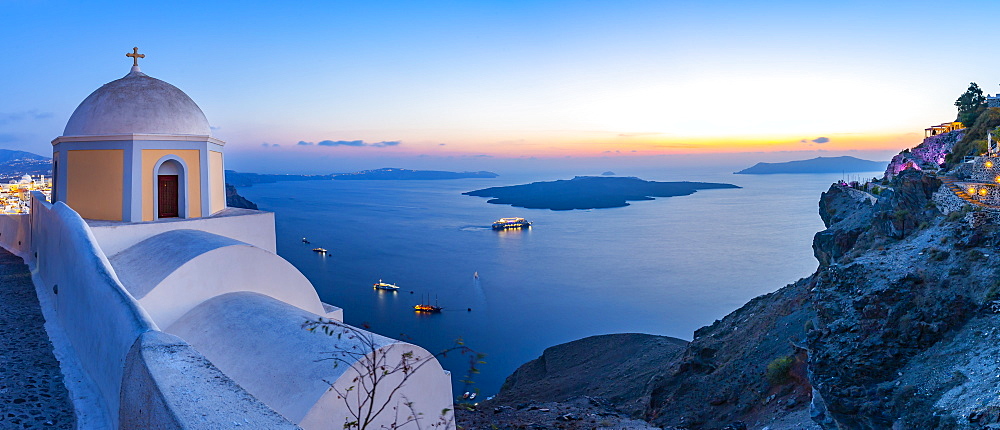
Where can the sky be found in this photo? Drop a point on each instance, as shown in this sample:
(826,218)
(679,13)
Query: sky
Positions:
(329,86)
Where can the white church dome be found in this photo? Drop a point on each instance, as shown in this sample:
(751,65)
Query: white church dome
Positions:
(137,104)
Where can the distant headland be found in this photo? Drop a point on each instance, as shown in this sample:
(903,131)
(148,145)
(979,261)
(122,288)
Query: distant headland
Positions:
(589,192)
(388,173)
(816,165)
(241,179)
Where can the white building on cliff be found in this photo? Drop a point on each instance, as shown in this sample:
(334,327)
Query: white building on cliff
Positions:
(176,308)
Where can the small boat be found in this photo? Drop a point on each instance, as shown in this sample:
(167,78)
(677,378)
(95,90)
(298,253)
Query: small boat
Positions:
(475,275)
(320,250)
(472,396)
(384,286)
(304,240)
(466,395)
(429,308)
(509,223)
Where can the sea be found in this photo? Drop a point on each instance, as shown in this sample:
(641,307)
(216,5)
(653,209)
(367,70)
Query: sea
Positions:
(665,267)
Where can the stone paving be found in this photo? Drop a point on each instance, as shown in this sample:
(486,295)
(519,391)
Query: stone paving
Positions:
(32,394)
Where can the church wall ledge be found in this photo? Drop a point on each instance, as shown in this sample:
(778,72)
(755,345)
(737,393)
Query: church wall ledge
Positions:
(245,225)
(151,137)
(169,384)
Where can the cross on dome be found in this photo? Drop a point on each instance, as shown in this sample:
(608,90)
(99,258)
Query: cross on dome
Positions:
(135,55)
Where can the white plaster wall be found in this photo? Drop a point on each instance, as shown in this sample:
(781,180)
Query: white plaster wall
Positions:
(169,385)
(259,342)
(173,272)
(15,230)
(425,389)
(253,227)
(159,381)
(99,317)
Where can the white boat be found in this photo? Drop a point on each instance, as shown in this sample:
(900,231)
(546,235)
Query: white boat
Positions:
(385,286)
(508,223)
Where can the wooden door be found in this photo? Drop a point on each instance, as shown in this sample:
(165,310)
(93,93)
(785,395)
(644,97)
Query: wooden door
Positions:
(168,198)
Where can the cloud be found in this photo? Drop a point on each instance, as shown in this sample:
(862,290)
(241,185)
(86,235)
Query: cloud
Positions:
(353,143)
(341,143)
(818,141)
(269,145)
(214,127)
(442,144)
(6,118)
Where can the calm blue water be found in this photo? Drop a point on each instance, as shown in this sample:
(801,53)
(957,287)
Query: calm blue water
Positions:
(664,267)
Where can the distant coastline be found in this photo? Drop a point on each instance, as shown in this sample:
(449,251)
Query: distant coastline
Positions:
(589,192)
(242,179)
(815,165)
(15,164)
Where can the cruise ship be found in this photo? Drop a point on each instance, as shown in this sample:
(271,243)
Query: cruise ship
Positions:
(385,286)
(507,223)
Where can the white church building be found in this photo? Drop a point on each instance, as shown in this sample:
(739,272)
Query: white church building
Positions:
(176,310)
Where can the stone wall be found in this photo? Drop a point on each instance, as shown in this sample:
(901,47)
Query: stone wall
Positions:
(946,201)
(983,169)
(987,193)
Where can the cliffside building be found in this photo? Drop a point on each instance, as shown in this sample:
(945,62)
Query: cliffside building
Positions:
(946,127)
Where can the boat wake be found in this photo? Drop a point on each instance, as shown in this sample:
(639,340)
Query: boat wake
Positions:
(475,228)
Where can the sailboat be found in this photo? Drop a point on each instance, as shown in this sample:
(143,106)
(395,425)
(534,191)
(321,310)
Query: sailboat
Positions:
(475,275)
(429,308)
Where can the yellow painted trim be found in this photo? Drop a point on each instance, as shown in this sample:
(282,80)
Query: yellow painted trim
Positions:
(192,159)
(217,182)
(94,186)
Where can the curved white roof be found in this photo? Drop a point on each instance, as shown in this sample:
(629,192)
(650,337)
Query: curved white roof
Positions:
(137,104)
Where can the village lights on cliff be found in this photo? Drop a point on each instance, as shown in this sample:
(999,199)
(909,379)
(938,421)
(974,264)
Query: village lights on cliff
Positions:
(997,179)
(972,191)
(982,192)
(989,164)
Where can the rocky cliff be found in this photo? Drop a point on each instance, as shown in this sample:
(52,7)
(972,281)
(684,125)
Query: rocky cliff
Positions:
(897,329)
(614,367)
(235,200)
